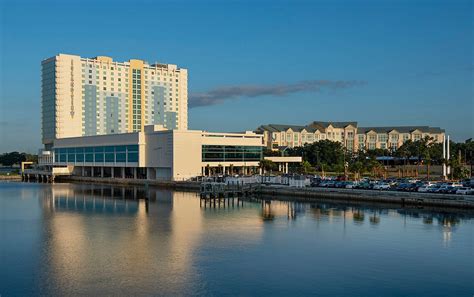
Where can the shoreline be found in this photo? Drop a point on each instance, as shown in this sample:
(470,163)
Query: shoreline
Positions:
(309,194)
(10,177)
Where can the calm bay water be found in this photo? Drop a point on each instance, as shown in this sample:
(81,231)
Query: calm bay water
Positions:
(84,240)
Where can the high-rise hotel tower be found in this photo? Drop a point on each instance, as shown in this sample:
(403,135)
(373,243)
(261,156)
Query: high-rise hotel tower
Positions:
(96,96)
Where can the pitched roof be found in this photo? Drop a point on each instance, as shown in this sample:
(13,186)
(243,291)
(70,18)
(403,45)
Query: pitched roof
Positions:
(400,129)
(282,128)
(334,124)
(322,126)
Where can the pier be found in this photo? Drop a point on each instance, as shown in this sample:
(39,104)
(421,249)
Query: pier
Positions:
(219,194)
(43,175)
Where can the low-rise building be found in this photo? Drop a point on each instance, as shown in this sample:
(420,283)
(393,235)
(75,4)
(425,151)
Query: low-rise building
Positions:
(352,137)
(160,154)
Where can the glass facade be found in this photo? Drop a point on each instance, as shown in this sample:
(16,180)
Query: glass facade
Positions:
(229,153)
(97,154)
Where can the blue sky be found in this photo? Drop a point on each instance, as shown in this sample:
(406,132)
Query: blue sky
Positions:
(412,60)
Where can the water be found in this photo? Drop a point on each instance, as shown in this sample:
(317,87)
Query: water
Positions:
(75,240)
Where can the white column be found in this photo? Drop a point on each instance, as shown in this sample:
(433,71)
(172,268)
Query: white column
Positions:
(286,167)
(444,156)
(447,157)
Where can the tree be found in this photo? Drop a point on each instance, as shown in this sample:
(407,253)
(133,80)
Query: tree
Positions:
(356,168)
(322,152)
(270,153)
(306,167)
(267,165)
(457,170)
(12,158)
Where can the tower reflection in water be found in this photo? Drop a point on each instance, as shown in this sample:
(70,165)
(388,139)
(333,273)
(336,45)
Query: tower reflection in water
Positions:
(99,239)
(150,237)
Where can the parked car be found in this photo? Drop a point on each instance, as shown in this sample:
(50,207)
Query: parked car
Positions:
(340,184)
(351,185)
(434,188)
(381,186)
(327,184)
(408,187)
(363,185)
(412,187)
(465,191)
(445,189)
(452,190)
(425,188)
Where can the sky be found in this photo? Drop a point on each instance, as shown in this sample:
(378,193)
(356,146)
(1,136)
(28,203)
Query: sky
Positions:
(380,63)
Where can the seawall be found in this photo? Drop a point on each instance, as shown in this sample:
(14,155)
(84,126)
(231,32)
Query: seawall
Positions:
(401,198)
(181,185)
(309,194)
(10,177)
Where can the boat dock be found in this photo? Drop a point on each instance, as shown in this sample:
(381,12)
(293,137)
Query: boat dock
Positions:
(222,194)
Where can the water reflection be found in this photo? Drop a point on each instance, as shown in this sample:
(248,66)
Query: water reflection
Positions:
(120,234)
(108,240)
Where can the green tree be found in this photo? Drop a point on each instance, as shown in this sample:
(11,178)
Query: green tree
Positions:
(268,165)
(306,167)
(356,167)
(12,158)
(330,153)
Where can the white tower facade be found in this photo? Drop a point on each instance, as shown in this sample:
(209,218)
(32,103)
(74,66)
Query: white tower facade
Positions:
(97,96)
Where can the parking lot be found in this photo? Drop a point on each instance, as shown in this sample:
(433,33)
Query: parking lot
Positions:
(464,187)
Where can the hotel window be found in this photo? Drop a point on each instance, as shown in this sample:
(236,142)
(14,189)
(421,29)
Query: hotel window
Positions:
(417,137)
(394,138)
(372,138)
(371,146)
(288,136)
(406,137)
(382,137)
(350,146)
(350,135)
(383,145)
(295,137)
(361,138)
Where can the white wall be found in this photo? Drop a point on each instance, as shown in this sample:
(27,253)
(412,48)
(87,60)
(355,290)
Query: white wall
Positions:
(187,154)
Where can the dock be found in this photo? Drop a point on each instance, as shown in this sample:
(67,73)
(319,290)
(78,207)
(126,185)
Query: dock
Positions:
(219,194)
(43,175)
